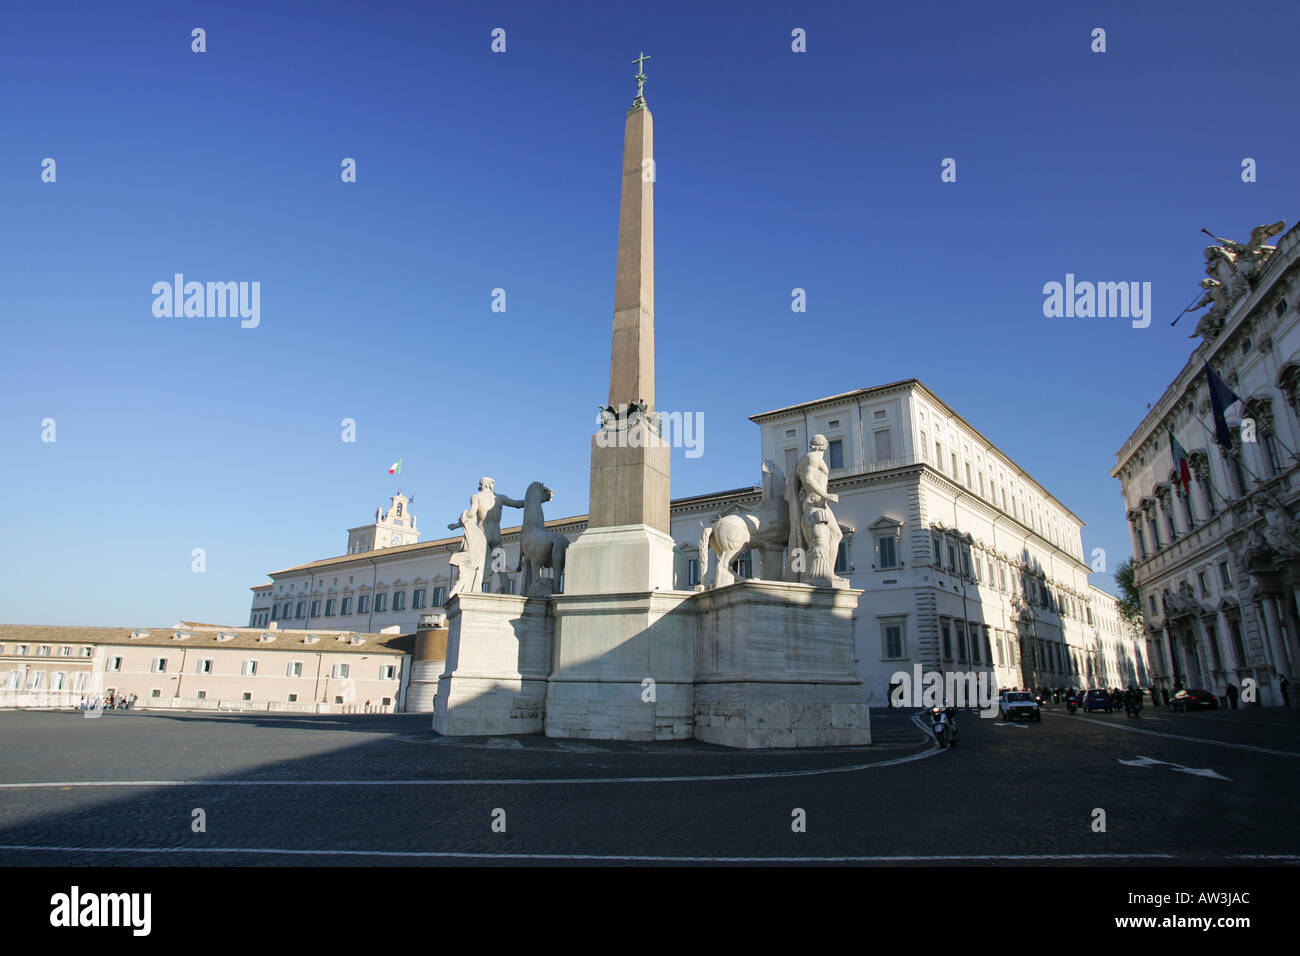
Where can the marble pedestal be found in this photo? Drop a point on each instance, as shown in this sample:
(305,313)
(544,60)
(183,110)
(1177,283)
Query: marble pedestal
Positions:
(498,659)
(775,667)
(606,645)
(622,559)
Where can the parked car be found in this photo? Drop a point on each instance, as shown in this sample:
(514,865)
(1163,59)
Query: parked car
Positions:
(1015,704)
(1193,699)
(1097,700)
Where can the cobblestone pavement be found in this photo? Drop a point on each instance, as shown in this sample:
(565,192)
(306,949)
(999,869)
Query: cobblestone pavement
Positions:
(356,790)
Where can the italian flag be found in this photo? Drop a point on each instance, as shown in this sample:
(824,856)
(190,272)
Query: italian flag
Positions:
(395,468)
(1181,462)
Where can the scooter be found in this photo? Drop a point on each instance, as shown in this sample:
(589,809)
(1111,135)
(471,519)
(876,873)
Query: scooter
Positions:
(1133,708)
(943,724)
(1071,703)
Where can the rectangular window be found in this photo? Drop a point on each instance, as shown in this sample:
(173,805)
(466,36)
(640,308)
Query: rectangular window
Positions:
(439,596)
(65,651)
(692,572)
(417,598)
(981,477)
(399,601)
(924,444)
(155,693)
(294,670)
(250,669)
(955,474)
(293,698)
(938,551)
(113,664)
(302,606)
(247,696)
(938,455)
(340,671)
(888,552)
(841,559)
(202,695)
(205,667)
(1225,574)
(387,671)
(43,651)
(884,449)
(952,558)
(891,633)
(363,604)
(381,602)
(947,638)
(315,608)
(345,606)
(1205,585)
(1270,448)
(159,666)
(969,483)
(329,607)
(835,454)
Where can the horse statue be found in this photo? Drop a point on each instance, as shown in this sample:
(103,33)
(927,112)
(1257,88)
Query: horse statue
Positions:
(766,527)
(539,547)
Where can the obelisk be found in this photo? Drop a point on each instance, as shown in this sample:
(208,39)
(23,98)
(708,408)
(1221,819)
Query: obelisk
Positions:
(627,546)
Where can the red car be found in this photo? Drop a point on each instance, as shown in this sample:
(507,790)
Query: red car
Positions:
(1194,699)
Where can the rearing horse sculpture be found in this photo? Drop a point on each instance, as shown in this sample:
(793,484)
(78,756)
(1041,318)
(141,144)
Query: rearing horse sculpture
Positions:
(539,547)
(766,527)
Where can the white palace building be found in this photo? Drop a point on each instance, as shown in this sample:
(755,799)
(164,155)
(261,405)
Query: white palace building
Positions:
(967,563)
(1217,551)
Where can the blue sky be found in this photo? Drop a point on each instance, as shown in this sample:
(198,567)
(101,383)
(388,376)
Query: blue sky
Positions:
(477,170)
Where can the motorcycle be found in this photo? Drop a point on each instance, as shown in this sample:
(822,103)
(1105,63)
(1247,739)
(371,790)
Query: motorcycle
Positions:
(943,724)
(1071,703)
(1133,707)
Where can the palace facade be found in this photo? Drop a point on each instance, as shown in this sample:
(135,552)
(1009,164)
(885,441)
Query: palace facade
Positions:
(1217,557)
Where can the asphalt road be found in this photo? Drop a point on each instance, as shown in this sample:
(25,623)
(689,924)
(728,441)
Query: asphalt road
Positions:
(1210,788)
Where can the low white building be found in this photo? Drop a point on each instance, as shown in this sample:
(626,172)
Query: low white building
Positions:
(967,563)
(193,666)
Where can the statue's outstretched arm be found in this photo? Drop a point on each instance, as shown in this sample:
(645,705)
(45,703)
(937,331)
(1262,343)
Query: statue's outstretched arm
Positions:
(510,501)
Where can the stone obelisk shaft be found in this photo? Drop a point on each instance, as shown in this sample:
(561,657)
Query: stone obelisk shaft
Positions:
(629,476)
(632,358)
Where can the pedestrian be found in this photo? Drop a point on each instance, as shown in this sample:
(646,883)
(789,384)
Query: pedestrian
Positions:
(1232,695)
(1286,697)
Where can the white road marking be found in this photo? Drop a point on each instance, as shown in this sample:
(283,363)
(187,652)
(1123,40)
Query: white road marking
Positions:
(609,857)
(1194,740)
(1152,762)
(546,781)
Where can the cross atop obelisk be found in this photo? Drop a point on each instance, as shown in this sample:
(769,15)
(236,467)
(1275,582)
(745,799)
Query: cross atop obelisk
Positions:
(639,102)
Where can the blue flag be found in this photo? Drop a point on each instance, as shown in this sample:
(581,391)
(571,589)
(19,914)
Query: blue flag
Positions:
(1220,398)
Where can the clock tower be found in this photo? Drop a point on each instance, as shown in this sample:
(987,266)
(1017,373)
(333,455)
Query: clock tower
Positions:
(391,528)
